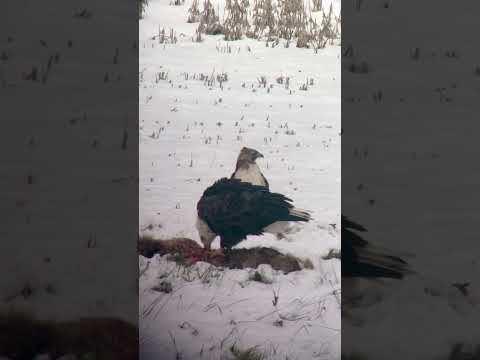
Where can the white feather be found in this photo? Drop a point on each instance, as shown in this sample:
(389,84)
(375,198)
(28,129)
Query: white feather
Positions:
(279,227)
(252,175)
(206,234)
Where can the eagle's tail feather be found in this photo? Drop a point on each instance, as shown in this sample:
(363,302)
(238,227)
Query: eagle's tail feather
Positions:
(300,215)
(390,253)
(381,262)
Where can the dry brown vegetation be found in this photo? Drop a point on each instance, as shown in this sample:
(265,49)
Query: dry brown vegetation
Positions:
(269,20)
(264,19)
(236,20)
(246,354)
(208,19)
(194,12)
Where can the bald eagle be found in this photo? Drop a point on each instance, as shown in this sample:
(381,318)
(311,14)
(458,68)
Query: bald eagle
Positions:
(234,209)
(363,259)
(247,169)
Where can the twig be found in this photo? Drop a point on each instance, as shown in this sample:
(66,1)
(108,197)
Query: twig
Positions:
(178,356)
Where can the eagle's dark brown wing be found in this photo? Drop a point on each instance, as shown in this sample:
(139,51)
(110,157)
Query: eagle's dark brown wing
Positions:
(234,209)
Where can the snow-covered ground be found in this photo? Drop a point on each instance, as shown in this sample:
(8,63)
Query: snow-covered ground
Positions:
(423,316)
(58,232)
(190,136)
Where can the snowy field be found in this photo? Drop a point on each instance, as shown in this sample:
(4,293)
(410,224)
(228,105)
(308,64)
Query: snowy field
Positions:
(434,94)
(190,135)
(58,228)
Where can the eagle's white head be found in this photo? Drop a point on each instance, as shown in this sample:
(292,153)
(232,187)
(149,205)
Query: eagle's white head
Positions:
(247,156)
(247,169)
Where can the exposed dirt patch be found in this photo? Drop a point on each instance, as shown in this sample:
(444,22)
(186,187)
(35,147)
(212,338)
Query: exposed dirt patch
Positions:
(188,252)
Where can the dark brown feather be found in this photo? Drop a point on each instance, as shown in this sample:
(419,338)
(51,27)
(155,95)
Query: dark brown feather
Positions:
(234,209)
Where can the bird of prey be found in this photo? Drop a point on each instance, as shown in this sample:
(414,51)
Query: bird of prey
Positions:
(247,170)
(234,209)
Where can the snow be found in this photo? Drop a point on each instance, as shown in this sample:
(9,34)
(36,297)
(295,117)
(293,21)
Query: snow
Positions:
(433,217)
(212,309)
(47,225)
(190,136)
